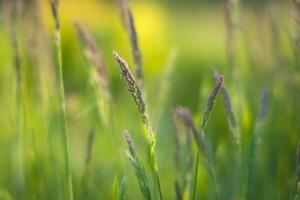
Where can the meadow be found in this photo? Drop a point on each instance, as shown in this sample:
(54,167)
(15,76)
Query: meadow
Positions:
(148,99)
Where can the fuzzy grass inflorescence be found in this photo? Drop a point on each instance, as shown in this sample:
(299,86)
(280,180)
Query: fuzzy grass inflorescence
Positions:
(235,131)
(133,88)
(97,74)
(183,156)
(201,141)
(203,147)
(137,96)
(139,169)
(128,22)
(93,53)
(87,163)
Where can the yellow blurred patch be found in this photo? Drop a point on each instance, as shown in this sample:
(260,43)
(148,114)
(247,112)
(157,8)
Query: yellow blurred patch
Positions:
(246,117)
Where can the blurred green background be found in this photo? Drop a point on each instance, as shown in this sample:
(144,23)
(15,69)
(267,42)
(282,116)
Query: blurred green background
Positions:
(197,32)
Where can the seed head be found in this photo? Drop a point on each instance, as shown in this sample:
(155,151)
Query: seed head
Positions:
(128,21)
(264,103)
(129,141)
(227,102)
(93,54)
(54,5)
(211,100)
(132,87)
(185,115)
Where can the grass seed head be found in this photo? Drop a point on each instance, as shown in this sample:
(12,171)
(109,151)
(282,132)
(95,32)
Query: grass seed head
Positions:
(211,100)
(185,116)
(54,5)
(132,87)
(264,101)
(138,166)
(89,146)
(93,54)
(128,21)
(129,141)
(227,102)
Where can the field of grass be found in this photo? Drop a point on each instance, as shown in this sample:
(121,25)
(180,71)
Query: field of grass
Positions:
(128,99)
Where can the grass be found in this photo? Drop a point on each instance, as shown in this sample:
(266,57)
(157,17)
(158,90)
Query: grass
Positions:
(67,117)
(54,8)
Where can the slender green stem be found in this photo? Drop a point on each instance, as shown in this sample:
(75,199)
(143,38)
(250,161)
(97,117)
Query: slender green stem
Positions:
(158,183)
(64,117)
(216,185)
(196,176)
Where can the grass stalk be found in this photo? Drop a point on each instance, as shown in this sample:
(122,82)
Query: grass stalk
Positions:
(194,192)
(257,139)
(200,138)
(87,163)
(295,13)
(178,191)
(297,181)
(98,76)
(128,22)
(203,147)
(140,171)
(137,96)
(57,35)
(232,23)
(12,19)
(178,158)
(234,128)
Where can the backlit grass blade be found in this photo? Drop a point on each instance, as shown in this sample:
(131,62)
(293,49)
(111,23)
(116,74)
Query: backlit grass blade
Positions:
(55,14)
(139,169)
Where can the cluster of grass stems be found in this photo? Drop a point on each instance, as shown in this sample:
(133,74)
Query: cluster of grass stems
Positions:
(149,181)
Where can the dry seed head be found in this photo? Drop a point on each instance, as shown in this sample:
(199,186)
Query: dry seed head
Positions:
(229,108)
(132,87)
(129,141)
(211,100)
(264,103)
(128,21)
(185,115)
(123,9)
(199,137)
(174,117)
(89,146)
(54,5)
(135,47)
(227,102)
(93,54)
(296,11)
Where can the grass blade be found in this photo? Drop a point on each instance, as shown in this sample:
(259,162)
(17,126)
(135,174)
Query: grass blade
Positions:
(211,101)
(97,74)
(136,94)
(87,163)
(203,147)
(138,167)
(54,8)
(257,138)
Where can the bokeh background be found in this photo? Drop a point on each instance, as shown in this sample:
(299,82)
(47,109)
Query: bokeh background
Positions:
(191,36)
